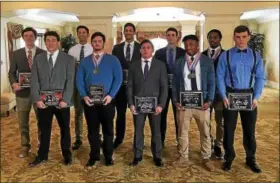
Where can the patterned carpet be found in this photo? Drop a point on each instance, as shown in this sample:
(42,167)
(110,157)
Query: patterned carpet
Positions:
(14,169)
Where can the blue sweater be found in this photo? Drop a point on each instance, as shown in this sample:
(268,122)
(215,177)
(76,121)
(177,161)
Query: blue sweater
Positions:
(109,75)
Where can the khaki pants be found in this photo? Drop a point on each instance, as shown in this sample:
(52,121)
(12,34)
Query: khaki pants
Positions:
(202,119)
(24,106)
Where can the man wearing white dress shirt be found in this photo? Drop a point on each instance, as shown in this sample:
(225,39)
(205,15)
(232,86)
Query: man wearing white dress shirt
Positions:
(79,51)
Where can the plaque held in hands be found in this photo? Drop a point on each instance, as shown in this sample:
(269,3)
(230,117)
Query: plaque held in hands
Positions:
(96,94)
(240,101)
(24,79)
(145,104)
(191,99)
(51,97)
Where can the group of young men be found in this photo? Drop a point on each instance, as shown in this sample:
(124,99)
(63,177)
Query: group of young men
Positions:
(214,72)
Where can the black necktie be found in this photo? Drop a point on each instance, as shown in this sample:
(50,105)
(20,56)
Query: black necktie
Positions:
(192,58)
(51,63)
(82,53)
(127,55)
(146,69)
(212,53)
(244,51)
(193,80)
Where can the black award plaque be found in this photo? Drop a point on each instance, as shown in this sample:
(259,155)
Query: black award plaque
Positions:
(125,76)
(145,104)
(96,94)
(51,97)
(240,101)
(24,79)
(190,99)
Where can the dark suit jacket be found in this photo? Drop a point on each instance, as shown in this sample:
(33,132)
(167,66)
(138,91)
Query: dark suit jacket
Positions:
(19,63)
(205,52)
(61,78)
(207,76)
(154,86)
(118,51)
(161,55)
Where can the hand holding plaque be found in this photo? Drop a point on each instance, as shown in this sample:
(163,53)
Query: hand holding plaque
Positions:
(191,99)
(24,79)
(240,101)
(145,104)
(96,94)
(51,97)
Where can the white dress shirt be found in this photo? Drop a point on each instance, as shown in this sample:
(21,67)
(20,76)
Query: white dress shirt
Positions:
(33,52)
(76,50)
(54,57)
(143,63)
(215,49)
(131,48)
(187,81)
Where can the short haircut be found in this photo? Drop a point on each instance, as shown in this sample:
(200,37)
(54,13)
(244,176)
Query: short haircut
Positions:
(130,25)
(147,41)
(216,31)
(95,34)
(82,27)
(29,29)
(241,28)
(190,37)
(172,29)
(51,33)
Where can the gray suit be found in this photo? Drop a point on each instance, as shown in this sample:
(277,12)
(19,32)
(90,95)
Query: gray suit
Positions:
(18,64)
(155,85)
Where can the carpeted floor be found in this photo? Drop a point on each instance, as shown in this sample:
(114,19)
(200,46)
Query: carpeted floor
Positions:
(14,169)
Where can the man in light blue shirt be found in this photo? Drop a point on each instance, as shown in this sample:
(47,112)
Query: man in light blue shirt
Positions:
(240,71)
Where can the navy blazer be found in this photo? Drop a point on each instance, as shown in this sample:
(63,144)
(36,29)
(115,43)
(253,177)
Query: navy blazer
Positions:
(161,55)
(207,78)
(205,52)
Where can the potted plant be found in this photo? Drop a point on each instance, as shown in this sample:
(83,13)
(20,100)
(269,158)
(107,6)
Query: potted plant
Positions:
(256,42)
(67,42)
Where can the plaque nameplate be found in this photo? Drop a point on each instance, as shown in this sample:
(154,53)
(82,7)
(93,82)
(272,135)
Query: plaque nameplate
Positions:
(240,101)
(145,104)
(191,99)
(24,79)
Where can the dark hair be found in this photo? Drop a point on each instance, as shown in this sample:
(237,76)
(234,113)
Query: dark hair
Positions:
(130,25)
(190,37)
(82,27)
(147,41)
(215,30)
(172,29)
(241,28)
(29,29)
(51,33)
(95,34)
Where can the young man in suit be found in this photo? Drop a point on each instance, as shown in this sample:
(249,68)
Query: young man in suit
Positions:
(194,72)
(51,71)
(99,70)
(147,78)
(168,55)
(214,51)
(240,69)
(79,51)
(21,62)
(127,52)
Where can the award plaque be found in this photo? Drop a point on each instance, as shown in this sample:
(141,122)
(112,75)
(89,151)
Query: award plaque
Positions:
(240,101)
(96,94)
(145,104)
(191,99)
(125,76)
(170,77)
(24,79)
(51,97)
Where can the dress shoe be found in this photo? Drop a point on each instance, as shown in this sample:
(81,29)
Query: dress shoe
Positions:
(37,161)
(158,162)
(226,166)
(68,161)
(109,162)
(91,162)
(77,144)
(254,167)
(135,161)
(218,152)
(24,152)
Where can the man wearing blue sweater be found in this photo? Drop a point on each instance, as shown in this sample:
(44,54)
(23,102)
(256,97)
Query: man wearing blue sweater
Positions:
(100,70)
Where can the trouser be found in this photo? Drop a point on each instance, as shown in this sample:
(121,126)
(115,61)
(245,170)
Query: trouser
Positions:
(79,110)
(138,143)
(45,117)
(218,107)
(95,115)
(248,122)
(202,118)
(24,107)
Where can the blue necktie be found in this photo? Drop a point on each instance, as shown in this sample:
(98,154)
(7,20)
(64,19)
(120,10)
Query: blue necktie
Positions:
(171,58)
(146,70)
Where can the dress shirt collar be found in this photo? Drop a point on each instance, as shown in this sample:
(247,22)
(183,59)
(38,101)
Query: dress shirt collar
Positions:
(149,59)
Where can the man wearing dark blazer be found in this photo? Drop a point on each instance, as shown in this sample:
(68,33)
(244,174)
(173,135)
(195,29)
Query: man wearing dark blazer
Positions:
(127,52)
(51,71)
(147,78)
(21,62)
(168,55)
(214,51)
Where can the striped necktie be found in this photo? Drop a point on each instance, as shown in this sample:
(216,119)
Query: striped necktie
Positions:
(29,57)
